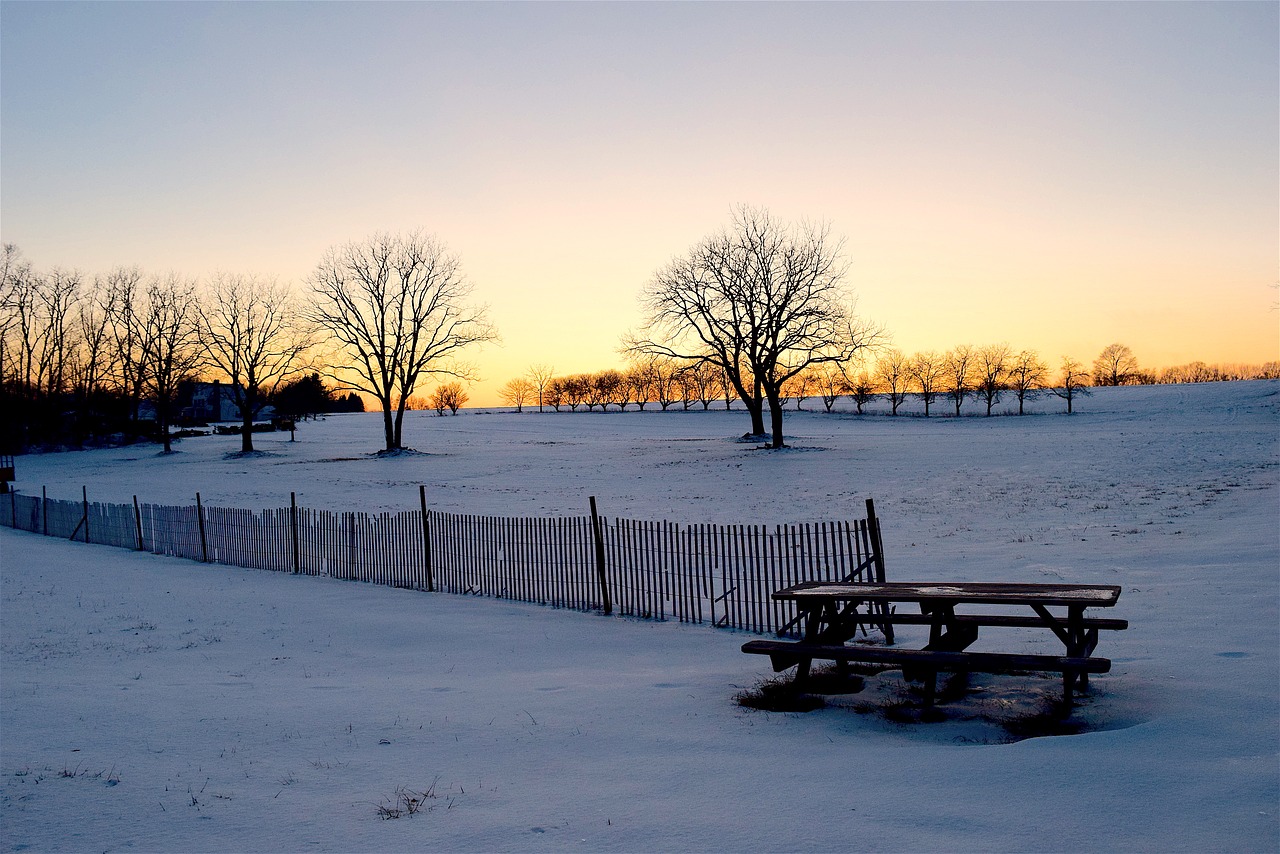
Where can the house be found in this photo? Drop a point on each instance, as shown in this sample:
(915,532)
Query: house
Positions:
(212,402)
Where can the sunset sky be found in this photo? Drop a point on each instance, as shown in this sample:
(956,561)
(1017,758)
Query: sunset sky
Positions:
(1058,176)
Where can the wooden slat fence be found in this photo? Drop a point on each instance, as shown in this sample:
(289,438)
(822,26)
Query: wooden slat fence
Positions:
(720,575)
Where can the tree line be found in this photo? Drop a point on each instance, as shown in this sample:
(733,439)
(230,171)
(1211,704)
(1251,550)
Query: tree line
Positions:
(79,354)
(983,375)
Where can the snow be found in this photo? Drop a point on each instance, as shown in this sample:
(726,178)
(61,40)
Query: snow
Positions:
(150,703)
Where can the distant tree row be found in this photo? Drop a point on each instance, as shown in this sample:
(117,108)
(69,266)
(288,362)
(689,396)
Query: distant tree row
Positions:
(657,381)
(985,375)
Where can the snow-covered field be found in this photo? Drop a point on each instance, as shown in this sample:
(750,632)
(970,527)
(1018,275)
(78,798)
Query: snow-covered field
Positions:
(157,704)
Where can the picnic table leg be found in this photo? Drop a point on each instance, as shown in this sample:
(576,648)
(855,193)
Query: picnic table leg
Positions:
(812,630)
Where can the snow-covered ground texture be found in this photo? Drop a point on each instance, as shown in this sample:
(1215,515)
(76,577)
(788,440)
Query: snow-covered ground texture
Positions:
(149,703)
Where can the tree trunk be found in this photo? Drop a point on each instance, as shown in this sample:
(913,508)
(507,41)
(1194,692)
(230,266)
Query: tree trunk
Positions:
(388,426)
(162,420)
(756,410)
(399,431)
(775,420)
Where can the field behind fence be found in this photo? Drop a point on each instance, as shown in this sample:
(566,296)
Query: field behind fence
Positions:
(721,575)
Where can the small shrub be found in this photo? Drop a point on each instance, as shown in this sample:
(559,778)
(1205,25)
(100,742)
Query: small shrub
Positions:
(406,802)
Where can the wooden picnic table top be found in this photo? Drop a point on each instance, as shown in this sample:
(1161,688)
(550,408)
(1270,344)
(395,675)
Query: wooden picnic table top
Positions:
(1087,595)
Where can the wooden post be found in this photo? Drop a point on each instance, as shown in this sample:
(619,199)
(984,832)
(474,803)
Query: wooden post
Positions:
(44,511)
(204,544)
(873,528)
(599,538)
(84,491)
(137,518)
(426,537)
(293,520)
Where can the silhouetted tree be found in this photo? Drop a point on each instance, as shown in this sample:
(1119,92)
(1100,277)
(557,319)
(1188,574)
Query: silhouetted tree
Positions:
(760,298)
(862,389)
(991,368)
(450,395)
(892,369)
(171,345)
(699,381)
(248,333)
(925,370)
(1027,376)
(958,374)
(831,382)
(308,396)
(398,308)
(1115,365)
(1073,382)
(540,376)
(517,392)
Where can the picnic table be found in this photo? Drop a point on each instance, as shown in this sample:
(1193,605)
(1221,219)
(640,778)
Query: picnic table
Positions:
(831,614)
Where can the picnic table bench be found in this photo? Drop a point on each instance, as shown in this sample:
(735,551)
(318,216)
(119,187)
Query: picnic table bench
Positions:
(830,615)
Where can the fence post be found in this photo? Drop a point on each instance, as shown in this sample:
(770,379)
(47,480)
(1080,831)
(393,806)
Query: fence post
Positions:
(204,544)
(44,511)
(137,518)
(426,537)
(84,518)
(598,535)
(873,528)
(293,520)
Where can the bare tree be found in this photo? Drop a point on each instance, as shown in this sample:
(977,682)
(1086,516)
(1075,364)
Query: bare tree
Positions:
(1074,382)
(831,382)
(992,370)
(23,326)
(14,269)
(641,382)
(800,384)
(761,298)
(58,293)
(450,395)
(555,393)
(1115,365)
(171,342)
(575,389)
(958,374)
(540,376)
(95,338)
(892,371)
(1027,376)
(609,386)
(248,333)
(517,393)
(658,380)
(128,369)
(398,308)
(726,388)
(699,381)
(862,389)
(925,370)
